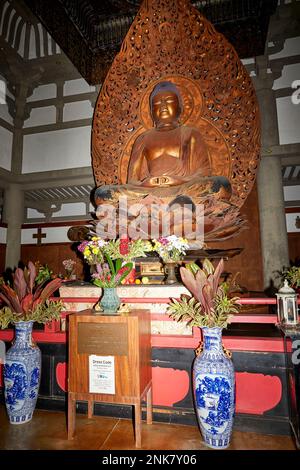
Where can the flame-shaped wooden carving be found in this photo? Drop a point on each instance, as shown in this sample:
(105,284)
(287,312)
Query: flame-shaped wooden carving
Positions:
(170,40)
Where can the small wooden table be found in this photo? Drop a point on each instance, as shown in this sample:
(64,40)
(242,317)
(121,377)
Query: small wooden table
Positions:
(127,339)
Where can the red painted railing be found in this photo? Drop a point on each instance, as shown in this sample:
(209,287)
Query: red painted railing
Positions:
(52,332)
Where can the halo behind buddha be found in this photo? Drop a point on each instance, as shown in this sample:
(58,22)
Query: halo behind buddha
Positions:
(171,40)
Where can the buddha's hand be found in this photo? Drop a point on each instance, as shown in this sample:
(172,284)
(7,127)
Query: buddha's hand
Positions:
(162,180)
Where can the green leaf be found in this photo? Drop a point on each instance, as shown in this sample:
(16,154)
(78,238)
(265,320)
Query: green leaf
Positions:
(111,265)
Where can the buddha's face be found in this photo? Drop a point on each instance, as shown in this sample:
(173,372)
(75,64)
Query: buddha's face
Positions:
(165,108)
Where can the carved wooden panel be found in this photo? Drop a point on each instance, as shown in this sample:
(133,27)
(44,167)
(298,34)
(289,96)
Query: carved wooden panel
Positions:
(172,40)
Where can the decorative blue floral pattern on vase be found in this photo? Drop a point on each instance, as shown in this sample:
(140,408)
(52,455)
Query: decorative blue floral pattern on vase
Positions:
(214,388)
(22,375)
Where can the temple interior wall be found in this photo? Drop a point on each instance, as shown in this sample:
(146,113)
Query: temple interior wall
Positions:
(56,136)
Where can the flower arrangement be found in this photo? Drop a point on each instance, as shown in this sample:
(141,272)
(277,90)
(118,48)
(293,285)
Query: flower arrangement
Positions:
(210,304)
(27,300)
(69,264)
(171,248)
(110,274)
(112,258)
(292,275)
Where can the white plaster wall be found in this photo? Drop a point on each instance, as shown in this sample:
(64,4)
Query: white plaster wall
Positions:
(56,234)
(5,148)
(290,222)
(74,87)
(53,235)
(57,150)
(289,74)
(3,231)
(74,208)
(248,61)
(34,214)
(32,44)
(41,116)
(6,5)
(26,236)
(291,193)
(291,47)
(4,85)
(71,209)
(43,92)
(2,92)
(21,49)
(4,114)
(78,110)
(288,115)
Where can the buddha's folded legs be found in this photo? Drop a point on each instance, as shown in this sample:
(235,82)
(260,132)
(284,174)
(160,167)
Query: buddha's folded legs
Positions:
(195,189)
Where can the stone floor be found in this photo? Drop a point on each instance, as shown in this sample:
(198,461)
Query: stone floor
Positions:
(47,431)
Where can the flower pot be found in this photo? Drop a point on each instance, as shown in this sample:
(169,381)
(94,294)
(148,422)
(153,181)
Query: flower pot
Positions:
(110,300)
(22,374)
(214,389)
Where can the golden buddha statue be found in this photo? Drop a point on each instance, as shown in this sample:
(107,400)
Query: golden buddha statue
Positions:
(203,145)
(169,161)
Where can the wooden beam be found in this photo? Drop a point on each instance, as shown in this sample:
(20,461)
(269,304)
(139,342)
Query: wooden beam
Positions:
(58,126)
(295,204)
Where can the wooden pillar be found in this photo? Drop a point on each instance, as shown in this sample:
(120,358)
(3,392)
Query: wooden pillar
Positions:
(13,216)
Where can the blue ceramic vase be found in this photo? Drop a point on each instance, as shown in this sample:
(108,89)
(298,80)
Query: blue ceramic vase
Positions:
(214,390)
(110,300)
(22,374)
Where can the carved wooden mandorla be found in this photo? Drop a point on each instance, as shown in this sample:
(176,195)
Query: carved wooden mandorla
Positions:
(171,40)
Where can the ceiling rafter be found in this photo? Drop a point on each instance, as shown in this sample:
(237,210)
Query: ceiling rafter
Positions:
(91,32)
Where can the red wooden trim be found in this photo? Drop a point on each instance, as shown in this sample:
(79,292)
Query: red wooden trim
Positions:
(257,301)
(46,244)
(292,210)
(239,343)
(55,224)
(233,343)
(236,318)
(3,224)
(167,300)
(38,336)
(254,318)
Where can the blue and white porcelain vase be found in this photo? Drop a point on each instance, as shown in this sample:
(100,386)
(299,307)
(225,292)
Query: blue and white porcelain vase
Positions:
(110,301)
(214,390)
(22,374)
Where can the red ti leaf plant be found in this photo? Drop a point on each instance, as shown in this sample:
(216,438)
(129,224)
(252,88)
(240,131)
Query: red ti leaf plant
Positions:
(26,300)
(210,304)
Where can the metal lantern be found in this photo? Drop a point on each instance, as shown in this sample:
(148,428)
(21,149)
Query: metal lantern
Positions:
(287,310)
